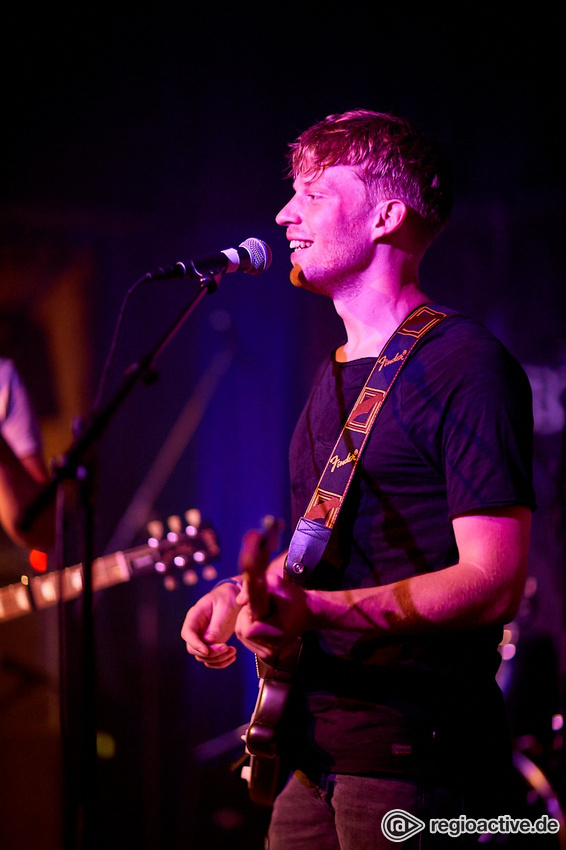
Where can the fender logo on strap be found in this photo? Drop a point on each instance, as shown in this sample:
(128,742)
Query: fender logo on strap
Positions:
(335,462)
(384,361)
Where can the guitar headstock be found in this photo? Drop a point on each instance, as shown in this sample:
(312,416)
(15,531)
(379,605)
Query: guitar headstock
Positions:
(271,529)
(183,549)
(255,554)
(259,544)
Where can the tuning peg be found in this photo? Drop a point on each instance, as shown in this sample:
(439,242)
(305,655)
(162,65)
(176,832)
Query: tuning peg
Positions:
(209,537)
(270,523)
(190,577)
(155,529)
(175,524)
(193,518)
(180,561)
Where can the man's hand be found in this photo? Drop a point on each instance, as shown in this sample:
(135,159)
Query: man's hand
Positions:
(209,624)
(288,618)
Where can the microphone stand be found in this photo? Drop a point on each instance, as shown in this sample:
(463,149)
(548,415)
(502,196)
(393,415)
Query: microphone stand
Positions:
(74,465)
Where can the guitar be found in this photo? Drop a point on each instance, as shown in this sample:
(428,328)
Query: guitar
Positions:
(275,680)
(185,547)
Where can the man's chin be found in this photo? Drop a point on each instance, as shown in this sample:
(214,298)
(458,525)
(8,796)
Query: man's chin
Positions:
(298,279)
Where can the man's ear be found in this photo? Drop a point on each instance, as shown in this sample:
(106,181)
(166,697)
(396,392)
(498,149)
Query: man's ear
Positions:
(390,215)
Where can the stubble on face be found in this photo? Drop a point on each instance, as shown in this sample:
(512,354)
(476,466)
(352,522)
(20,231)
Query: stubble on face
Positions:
(342,248)
(340,270)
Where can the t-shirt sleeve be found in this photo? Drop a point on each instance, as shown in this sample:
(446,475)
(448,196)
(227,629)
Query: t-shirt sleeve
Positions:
(482,424)
(18,423)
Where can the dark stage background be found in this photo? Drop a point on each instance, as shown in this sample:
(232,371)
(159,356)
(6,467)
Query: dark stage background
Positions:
(136,136)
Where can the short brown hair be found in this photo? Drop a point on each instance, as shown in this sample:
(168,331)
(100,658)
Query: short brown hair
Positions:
(394,160)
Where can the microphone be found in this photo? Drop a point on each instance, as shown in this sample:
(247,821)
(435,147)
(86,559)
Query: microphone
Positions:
(252,257)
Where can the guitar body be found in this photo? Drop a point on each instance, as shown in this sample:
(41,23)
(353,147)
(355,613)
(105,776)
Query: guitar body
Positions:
(262,734)
(275,679)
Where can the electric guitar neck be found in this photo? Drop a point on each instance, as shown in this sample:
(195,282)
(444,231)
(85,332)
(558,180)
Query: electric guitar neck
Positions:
(184,551)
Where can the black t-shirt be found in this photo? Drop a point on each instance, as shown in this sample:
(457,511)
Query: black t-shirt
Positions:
(454,436)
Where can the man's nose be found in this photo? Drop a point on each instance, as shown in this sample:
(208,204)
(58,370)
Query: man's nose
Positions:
(289,214)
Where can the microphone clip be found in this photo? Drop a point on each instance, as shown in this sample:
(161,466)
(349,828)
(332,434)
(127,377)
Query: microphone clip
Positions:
(209,278)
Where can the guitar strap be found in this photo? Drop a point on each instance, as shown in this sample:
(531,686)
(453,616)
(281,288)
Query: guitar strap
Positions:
(313,530)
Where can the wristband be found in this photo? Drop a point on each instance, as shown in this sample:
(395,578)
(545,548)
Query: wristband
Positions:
(228,581)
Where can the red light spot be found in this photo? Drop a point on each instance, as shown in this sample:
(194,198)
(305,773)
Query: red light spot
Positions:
(38,560)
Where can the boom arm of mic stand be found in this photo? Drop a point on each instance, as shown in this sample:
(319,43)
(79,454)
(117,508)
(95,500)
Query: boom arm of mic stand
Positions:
(71,465)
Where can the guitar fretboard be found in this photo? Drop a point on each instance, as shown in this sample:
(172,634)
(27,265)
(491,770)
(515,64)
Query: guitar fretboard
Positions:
(179,553)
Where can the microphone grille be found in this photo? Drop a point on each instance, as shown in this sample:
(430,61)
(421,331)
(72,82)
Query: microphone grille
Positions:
(260,254)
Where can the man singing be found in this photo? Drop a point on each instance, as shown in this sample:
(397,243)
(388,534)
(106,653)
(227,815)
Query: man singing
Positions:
(395,704)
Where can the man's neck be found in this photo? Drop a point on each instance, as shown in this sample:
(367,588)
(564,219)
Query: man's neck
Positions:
(373,315)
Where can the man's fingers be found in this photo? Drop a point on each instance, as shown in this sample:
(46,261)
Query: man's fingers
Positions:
(191,634)
(219,655)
